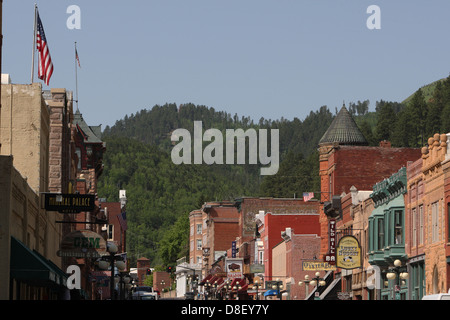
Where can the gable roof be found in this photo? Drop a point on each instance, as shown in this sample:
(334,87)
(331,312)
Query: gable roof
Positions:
(90,134)
(344,130)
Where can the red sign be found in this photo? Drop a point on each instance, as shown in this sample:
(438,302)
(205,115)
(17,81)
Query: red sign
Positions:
(330,257)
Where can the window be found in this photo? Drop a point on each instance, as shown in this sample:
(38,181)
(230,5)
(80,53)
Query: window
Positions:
(398,226)
(421,225)
(414,227)
(199,244)
(199,228)
(78,153)
(448,221)
(110,232)
(435,222)
(380,234)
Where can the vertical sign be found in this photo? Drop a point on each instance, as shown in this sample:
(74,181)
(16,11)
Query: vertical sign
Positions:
(330,257)
(233,249)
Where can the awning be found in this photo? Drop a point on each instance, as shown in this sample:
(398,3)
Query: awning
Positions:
(270,293)
(208,277)
(29,266)
(240,282)
(329,289)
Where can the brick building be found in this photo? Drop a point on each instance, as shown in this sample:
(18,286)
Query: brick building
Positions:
(446,170)
(415,228)
(436,214)
(35,124)
(346,161)
(219,227)
(287,263)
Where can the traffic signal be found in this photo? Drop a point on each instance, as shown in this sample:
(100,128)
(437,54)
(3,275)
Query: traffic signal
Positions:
(149,272)
(169,269)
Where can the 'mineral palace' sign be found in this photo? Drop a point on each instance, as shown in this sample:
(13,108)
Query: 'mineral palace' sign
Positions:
(69,203)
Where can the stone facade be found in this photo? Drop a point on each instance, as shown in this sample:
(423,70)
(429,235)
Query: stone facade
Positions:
(25,163)
(436,234)
(25,128)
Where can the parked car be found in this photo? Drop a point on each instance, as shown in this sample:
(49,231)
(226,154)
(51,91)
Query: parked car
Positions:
(144,293)
(438,296)
(189,295)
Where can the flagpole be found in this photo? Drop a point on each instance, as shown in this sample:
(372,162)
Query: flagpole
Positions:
(34,42)
(76,74)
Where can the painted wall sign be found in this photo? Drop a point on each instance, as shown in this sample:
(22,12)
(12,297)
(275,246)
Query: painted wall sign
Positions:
(317,266)
(69,203)
(348,253)
(82,244)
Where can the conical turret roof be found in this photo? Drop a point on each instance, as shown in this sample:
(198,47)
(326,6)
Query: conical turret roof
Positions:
(344,130)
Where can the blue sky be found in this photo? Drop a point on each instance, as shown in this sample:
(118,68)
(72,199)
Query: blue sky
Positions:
(256,58)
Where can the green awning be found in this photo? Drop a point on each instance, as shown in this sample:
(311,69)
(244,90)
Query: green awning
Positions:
(29,266)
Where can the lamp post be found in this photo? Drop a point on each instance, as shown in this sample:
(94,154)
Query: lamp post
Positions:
(278,285)
(227,287)
(397,272)
(108,261)
(207,289)
(256,286)
(237,287)
(124,280)
(316,282)
(193,281)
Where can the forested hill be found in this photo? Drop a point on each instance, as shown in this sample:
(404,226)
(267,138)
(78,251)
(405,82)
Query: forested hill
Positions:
(161,194)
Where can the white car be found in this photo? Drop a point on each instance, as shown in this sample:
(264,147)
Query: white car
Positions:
(438,296)
(144,293)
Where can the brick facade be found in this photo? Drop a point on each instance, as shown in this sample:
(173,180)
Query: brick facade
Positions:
(342,167)
(435,207)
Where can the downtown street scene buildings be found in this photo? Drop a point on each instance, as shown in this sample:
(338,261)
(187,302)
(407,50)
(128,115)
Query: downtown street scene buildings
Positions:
(377,230)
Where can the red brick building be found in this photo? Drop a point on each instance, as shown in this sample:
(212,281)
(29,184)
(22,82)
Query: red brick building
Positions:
(212,230)
(346,161)
(301,217)
(298,248)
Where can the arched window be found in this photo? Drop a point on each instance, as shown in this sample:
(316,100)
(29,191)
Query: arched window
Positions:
(435,283)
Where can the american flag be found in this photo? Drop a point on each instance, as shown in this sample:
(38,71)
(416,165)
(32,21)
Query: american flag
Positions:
(45,70)
(76,56)
(123,221)
(308,196)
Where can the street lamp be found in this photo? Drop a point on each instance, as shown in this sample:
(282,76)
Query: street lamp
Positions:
(237,287)
(256,287)
(227,287)
(104,264)
(278,286)
(397,272)
(316,281)
(192,281)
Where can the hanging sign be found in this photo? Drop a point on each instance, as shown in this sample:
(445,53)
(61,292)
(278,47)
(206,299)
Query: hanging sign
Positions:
(69,203)
(348,253)
(234,268)
(82,244)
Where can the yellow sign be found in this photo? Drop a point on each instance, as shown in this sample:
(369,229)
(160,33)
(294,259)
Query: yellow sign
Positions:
(317,266)
(348,253)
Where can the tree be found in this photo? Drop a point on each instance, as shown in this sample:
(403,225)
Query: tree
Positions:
(418,110)
(386,122)
(436,107)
